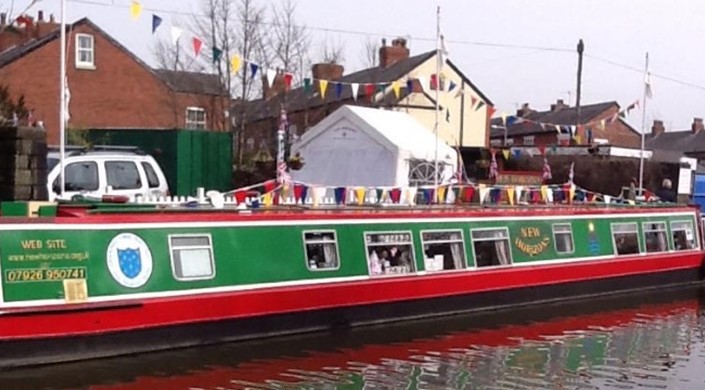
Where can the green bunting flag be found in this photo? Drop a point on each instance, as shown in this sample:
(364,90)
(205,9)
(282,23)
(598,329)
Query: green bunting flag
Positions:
(307,85)
(217,53)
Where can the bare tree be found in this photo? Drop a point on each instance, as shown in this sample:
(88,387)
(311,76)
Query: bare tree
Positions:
(369,54)
(332,51)
(288,40)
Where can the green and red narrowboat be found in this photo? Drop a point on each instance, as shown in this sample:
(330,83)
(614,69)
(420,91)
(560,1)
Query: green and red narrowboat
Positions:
(93,281)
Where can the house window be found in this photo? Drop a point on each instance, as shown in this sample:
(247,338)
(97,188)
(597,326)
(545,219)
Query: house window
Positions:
(85,51)
(496,142)
(389,253)
(321,250)
(191,257)
(563,238)
(626,238)
(563,139)
(443,250)
(683,235)
(195,118)
(655,236)
(529,140)
(491,247)
(509,142)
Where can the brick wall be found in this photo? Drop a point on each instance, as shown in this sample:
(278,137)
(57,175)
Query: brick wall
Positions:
(119,93)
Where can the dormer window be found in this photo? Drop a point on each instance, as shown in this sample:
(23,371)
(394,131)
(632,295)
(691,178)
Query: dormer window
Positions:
(85,51)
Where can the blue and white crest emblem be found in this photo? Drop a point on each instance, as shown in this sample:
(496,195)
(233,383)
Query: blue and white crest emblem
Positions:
(129,260)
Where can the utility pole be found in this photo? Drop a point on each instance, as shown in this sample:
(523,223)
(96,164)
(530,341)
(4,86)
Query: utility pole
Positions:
(581,48)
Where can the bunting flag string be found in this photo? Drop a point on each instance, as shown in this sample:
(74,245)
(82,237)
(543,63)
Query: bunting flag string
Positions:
(577,131)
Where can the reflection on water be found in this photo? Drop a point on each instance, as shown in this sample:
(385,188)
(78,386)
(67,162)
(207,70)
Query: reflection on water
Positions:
(612,343)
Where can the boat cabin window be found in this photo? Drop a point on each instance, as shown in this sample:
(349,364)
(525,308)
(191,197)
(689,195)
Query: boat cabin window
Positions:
(655,236)
(683,235)
(191,256)
(626,238)
(321,250)
(491,247)
(443,250)
(563,238)
(389,253)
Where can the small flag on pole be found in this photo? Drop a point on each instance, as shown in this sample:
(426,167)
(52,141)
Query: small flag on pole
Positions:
(647,85)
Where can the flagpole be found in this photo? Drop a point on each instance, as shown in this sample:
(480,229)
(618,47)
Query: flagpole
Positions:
(643,127)
(62,99)
(438,84)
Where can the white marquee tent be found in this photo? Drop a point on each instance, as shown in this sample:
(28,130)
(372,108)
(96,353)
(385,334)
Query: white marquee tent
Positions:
(358,146)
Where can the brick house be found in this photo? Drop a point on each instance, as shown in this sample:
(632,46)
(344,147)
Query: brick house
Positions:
(109,86)
(688,142)
(525,128)
(463,115)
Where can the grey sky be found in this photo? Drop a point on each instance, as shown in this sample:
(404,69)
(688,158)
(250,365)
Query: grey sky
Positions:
(621,31)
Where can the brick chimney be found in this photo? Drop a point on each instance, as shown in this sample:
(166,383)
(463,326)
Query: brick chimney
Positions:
(389,55)
(327,71)
(278,86)
(697,125)
(524,110)
(559,105)
(657,127)
(3,20)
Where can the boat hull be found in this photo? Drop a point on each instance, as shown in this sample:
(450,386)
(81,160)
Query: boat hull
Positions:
(93,331)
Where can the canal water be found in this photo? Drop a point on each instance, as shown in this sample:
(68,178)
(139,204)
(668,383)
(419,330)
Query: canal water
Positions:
(640,341)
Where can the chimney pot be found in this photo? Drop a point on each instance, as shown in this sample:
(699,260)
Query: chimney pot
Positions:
(51,18)
(327,71)
(657,127)
(389,55)
(3,19)
(40,16)
(524,110)
(559,105)
(697,125)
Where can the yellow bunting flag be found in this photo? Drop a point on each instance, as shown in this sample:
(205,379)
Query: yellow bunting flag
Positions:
(577,138)
(235,64)
(441,194)
(360,193)
(510,195)
(504,118)
(323,85)
(571,193)
(135,10)
(544,193)
(506,154)
(396,88)
(267,199)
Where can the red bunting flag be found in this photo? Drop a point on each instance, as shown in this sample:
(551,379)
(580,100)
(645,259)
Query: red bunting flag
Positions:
(197,44)
(468,194)
(288,77)
(490,111)
(369,90)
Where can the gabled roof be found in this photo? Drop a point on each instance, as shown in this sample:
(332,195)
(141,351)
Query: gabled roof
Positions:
(683,141)
(564,116)
(298,100)
(177,81)
(192,82)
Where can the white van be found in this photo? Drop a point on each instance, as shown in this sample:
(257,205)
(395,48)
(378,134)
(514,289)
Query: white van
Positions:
(95,173)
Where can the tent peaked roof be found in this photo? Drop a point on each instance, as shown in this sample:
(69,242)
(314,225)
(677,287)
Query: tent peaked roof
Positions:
(396,130)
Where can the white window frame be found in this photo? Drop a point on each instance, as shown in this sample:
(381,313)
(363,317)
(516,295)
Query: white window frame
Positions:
(555,241)
(645,229)
(696,241)
(506,237)
(509,141)
(306,242)
(369,245)
(636,231)
(460,240)
(210,251)
(194,125)
(496,142)
(529,140)
(85,64)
